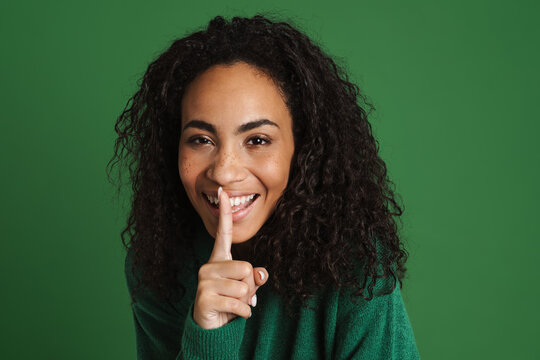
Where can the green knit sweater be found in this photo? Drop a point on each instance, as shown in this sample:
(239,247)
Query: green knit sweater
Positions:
(338,329)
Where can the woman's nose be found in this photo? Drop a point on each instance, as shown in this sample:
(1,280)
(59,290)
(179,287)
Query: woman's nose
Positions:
(226,168)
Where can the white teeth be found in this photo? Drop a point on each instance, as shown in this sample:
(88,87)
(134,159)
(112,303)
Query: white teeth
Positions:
(235,201)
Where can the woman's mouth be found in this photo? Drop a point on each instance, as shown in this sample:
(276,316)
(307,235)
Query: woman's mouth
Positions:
(240,205)
(237,203)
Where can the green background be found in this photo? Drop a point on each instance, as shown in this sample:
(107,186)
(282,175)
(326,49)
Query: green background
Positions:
(455,86)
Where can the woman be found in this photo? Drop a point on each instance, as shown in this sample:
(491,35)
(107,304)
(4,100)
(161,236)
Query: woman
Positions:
(262,219)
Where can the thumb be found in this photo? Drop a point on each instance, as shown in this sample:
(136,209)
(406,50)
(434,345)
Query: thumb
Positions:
(260,276)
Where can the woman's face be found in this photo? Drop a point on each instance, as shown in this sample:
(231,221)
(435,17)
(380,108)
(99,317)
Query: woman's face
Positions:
(236,133)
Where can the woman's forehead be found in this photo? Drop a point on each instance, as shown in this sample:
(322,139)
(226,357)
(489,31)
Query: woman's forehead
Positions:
(233,94)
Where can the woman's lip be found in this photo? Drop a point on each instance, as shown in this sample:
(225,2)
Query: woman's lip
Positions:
(236,216)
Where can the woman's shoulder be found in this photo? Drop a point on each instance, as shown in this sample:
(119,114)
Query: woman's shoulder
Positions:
(197,252)
(187,261)
(130,272)
(151,302)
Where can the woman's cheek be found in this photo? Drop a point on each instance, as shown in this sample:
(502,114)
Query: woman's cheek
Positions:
(281,165)
(185,167)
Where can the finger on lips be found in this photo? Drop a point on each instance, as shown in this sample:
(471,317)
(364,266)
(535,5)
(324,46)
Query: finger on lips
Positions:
(223,240)
(222,252)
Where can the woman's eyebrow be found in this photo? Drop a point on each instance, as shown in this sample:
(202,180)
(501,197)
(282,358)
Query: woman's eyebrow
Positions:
(200,124)
(203,125)
(254,124)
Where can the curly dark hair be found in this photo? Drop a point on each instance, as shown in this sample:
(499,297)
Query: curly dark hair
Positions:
(337,211)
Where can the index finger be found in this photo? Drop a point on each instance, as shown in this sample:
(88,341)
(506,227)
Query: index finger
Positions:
(223,241)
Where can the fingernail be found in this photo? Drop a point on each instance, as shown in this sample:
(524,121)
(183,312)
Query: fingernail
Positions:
(250,314)
(254,300)
(262,274)
(219,192)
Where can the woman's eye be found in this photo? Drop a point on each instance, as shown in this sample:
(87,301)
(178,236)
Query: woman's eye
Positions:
(257,140)
(199,140)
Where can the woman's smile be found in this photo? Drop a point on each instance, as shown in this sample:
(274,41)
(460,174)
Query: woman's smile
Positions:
(237,134)
(240,206)
(237,202)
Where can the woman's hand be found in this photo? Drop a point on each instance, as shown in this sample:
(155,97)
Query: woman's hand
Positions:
(226,287)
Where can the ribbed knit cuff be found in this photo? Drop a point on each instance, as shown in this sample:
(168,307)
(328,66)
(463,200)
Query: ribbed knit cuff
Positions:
(219,343)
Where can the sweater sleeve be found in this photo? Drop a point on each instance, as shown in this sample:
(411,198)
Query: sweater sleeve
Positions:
(167,331)
(220,343)
(374,329)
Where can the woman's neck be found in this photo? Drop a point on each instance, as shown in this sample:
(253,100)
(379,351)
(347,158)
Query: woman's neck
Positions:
(241,251)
